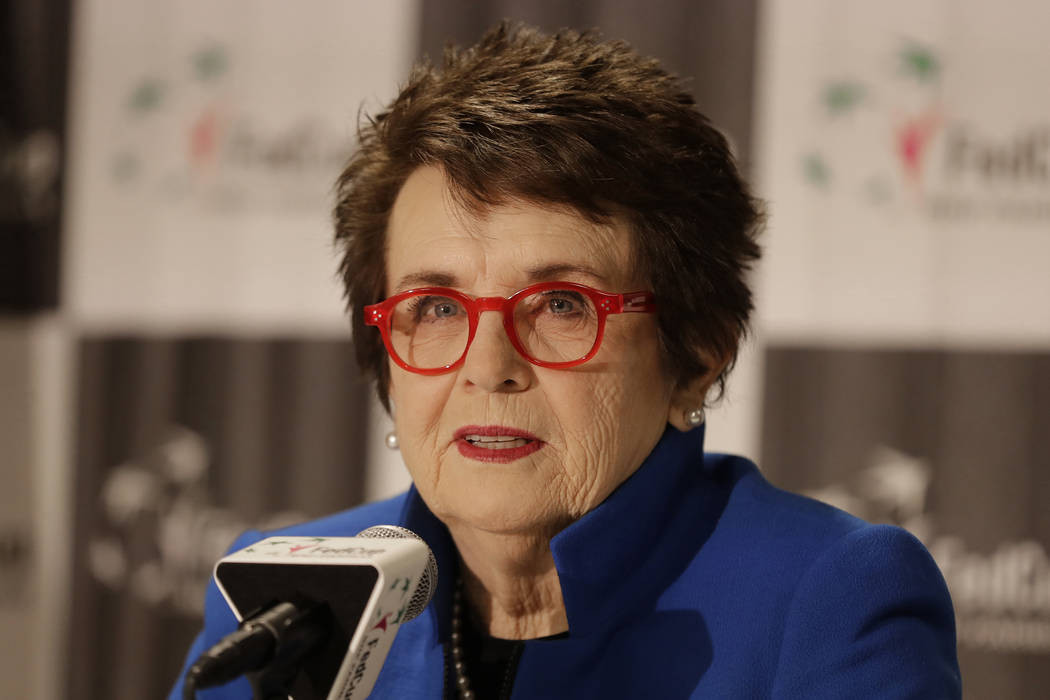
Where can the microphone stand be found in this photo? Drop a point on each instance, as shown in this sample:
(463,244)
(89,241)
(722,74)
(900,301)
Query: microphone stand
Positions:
(268,649)
(274,680)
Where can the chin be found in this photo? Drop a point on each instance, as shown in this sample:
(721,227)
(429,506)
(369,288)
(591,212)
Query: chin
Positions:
(507,514)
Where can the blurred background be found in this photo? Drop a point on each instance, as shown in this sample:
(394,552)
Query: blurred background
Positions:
(175,363)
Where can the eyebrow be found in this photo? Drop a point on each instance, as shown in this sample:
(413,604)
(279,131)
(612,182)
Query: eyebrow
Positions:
(426,278)
(541,273)
(556,271)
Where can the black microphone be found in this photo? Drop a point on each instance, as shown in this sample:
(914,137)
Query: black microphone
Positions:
(318,613)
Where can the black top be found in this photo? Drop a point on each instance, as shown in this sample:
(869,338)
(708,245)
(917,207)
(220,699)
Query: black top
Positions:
(490,662)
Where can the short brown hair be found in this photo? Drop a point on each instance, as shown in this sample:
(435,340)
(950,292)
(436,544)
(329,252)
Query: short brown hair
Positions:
(572,120)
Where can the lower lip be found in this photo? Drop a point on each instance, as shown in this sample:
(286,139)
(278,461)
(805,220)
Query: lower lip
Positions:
(485,454)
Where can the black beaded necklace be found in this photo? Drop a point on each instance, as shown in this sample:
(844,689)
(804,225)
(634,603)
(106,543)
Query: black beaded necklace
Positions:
(459,667)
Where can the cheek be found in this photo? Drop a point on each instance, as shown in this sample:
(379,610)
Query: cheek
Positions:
(590,414)
(414,395)
(600,424)
(418,403)
(617,417)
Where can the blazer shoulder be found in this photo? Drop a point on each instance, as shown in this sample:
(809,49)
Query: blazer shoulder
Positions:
(871,608)
(759,512)
(774,535)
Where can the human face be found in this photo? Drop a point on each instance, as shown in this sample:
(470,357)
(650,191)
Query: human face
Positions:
(577,433)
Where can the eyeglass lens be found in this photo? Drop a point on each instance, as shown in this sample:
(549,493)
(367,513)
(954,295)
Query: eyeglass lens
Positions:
(429,331)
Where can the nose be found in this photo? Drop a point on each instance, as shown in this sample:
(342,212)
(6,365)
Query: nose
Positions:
(492,364)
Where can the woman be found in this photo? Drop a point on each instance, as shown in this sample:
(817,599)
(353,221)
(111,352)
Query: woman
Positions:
(545,246)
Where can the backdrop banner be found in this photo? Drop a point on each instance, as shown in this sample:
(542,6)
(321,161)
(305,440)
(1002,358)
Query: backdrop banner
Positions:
(206,139)
(906,160)
(182,444)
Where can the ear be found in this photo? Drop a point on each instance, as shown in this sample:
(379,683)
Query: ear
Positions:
(690,395)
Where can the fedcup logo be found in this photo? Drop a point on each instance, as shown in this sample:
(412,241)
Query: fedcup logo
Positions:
(186,134)
(313,547)
(889,134)
(896,106)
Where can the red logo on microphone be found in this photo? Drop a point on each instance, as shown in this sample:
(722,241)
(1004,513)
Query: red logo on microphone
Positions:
(382,624)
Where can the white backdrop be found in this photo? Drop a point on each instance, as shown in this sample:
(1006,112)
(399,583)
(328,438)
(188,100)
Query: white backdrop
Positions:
(945,246)
(206,138)
(904,149)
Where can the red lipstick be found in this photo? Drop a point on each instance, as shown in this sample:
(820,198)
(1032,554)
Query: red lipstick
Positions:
(495,443)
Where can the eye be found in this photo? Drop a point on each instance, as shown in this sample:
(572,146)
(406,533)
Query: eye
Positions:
(444,309)
(433,308)
(561,305)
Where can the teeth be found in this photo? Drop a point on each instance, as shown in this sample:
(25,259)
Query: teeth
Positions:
(496,442)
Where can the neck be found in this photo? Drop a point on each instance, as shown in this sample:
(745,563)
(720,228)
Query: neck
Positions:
(510,583)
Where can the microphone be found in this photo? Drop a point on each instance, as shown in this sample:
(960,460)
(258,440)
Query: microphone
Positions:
(318,614)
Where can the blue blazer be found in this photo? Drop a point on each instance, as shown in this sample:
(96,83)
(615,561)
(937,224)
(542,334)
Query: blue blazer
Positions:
(695,579)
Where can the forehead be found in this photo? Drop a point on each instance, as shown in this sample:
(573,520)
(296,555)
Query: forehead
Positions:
(431,239)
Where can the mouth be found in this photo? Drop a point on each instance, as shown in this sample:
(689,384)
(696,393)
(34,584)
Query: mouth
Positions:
(495,443)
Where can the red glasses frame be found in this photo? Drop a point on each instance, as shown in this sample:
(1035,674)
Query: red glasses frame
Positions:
(381,316)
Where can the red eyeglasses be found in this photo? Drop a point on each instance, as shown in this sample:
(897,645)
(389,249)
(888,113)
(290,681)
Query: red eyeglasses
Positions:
(551,324)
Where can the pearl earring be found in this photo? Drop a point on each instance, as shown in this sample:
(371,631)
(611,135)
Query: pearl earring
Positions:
(391,440)
(694,417)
